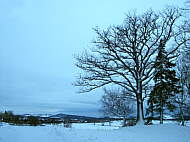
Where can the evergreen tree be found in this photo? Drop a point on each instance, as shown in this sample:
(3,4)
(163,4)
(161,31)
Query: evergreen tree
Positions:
(166,84)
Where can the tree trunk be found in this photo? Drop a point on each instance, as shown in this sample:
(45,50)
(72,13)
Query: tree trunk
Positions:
(140,114)
(124,121)
(181,106)
(151,111)
(161,111)
(161,117)
(182,118)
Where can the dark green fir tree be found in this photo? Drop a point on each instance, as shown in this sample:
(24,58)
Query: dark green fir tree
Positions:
(166,84)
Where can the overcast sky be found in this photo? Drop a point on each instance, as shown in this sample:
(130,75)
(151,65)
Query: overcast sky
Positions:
(38,39)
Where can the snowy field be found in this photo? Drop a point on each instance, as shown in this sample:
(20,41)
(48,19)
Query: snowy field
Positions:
(95,133)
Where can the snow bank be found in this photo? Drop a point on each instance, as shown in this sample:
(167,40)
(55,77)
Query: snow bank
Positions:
(88,133)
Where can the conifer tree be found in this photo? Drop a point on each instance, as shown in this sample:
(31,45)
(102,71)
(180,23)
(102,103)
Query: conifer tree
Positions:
(166,83)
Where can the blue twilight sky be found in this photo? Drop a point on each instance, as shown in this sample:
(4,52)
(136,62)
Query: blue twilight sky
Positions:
(38,39)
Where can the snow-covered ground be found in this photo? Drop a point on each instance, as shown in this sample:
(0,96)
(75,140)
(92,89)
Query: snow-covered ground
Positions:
(95,133)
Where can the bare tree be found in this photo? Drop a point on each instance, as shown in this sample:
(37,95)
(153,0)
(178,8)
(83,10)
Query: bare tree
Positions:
(124,55)
(183,72)
(183,107)
(116,103)
(183,67)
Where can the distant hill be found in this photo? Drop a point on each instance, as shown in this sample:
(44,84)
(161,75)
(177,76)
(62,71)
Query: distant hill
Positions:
(71,117)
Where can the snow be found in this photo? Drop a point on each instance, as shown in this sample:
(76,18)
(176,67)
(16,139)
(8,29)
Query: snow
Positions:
(95,133)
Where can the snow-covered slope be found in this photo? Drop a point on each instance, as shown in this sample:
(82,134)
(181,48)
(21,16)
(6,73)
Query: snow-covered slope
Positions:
(94,133)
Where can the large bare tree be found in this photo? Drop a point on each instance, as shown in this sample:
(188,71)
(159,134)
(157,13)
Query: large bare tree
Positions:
(124,55)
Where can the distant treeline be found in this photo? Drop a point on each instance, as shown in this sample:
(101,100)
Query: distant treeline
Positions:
(13,119)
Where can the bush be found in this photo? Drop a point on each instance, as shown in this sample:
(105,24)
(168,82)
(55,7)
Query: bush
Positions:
(67,124)
(7,116)
(33,121)
(130,123)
